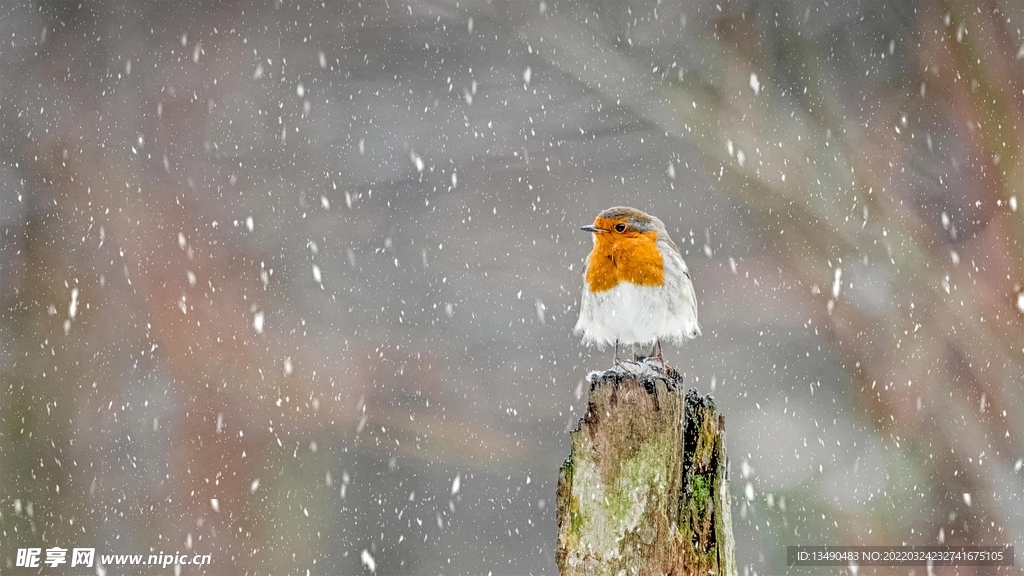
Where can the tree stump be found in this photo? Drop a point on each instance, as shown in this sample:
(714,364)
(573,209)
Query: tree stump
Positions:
(646,487)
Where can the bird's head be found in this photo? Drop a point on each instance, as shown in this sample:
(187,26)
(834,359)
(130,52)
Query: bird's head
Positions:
(625,249)
(620,223)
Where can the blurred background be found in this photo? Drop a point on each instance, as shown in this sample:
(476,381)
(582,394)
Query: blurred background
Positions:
(293,283)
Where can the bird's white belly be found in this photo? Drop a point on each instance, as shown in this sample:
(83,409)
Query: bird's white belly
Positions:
(629,313)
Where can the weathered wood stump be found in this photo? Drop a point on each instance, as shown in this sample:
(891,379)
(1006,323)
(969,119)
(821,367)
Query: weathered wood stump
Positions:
(646,487)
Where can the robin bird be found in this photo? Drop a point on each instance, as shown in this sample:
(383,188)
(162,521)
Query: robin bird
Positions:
(637,288)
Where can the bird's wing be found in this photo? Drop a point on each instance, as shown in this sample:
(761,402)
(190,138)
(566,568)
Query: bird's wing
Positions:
(673,244)
(668,240)
(686,269)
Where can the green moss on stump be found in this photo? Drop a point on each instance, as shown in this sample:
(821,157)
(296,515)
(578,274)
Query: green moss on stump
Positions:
(645,490)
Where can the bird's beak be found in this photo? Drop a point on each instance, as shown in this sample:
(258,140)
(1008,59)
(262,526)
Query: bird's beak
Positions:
(591,228)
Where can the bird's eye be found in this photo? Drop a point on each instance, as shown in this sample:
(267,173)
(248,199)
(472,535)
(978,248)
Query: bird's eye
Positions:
(620,227)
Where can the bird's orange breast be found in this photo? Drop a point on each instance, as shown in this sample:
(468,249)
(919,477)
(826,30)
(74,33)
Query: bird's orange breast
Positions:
(625,258)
